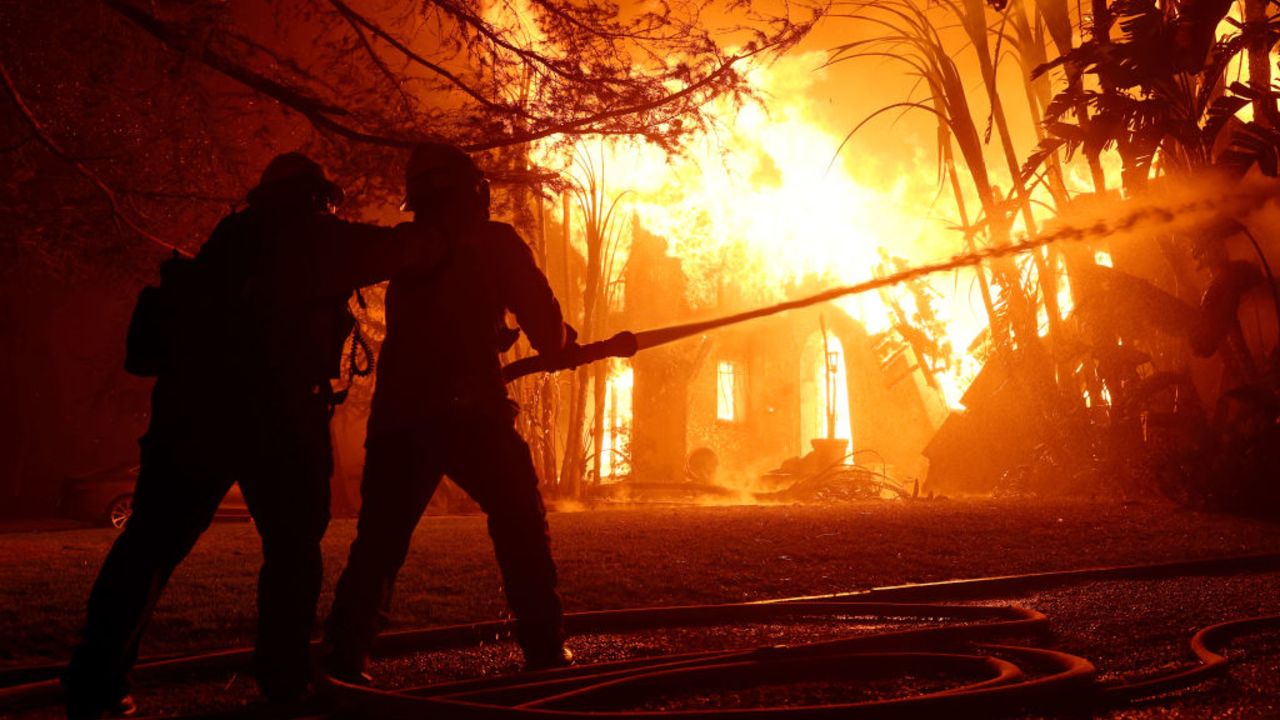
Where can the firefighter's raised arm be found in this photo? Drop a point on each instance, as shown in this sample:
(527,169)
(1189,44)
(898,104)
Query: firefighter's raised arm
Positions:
(350,254)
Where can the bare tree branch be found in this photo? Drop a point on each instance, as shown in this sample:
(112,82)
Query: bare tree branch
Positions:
(467,18)
(357,19)
(382,68)
(318,112)
(588,122)
(615,101)
(38,131)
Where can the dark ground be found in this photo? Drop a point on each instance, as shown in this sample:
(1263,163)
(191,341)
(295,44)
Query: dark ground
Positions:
(631,558)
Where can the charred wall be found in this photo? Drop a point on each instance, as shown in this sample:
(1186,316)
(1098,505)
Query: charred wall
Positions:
(765,426)
(892,411)
(655,296)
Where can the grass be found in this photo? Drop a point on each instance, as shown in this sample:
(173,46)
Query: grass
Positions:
(625,558)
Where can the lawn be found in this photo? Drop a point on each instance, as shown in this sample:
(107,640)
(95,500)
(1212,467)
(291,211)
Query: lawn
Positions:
(627,558)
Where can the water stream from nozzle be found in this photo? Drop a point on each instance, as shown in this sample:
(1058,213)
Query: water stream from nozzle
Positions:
(1150,217)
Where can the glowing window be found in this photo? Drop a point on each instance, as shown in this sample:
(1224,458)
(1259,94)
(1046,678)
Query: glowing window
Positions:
(728,390)
(616,439)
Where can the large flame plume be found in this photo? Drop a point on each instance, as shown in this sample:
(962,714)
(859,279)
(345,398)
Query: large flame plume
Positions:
(764,207)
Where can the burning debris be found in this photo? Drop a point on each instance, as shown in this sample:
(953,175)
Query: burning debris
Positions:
(824,476)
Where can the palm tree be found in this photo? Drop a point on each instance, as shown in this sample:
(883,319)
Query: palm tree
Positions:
(909,36)
(1160,94)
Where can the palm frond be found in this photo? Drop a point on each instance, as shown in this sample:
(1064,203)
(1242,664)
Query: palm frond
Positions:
(1216,116)
(1042,152)
(1251,144)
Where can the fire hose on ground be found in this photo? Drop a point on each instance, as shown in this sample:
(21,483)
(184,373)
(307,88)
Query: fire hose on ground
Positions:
(1010,677)
(978,642)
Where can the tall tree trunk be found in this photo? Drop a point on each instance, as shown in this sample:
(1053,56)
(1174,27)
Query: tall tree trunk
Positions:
(1022,307)
(572,467)
(949,161)
(570,482)
(591,308)
(1055,17)
(951,104)
(1032,54)
(1100,33)
(1259,48)
(599,390)
(976,27)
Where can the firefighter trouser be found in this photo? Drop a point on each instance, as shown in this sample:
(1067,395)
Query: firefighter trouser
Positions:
(488,459)
(282,461)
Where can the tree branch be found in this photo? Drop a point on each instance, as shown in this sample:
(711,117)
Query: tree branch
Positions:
(382,68)
(553,9)
(355,19)
(485,29)
(38,131)
(579,124)
(324,116)
(315,110)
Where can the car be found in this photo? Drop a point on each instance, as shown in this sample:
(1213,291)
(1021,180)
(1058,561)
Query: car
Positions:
(105,498)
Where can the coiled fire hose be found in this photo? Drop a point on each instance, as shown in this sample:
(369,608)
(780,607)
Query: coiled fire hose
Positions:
(976,642)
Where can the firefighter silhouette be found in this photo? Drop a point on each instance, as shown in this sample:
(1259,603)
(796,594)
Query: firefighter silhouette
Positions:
(243,340)
(441,408)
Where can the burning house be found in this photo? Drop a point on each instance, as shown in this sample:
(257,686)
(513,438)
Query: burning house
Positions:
(729,406)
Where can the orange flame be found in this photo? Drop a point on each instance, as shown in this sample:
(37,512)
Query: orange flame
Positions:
(759,205)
